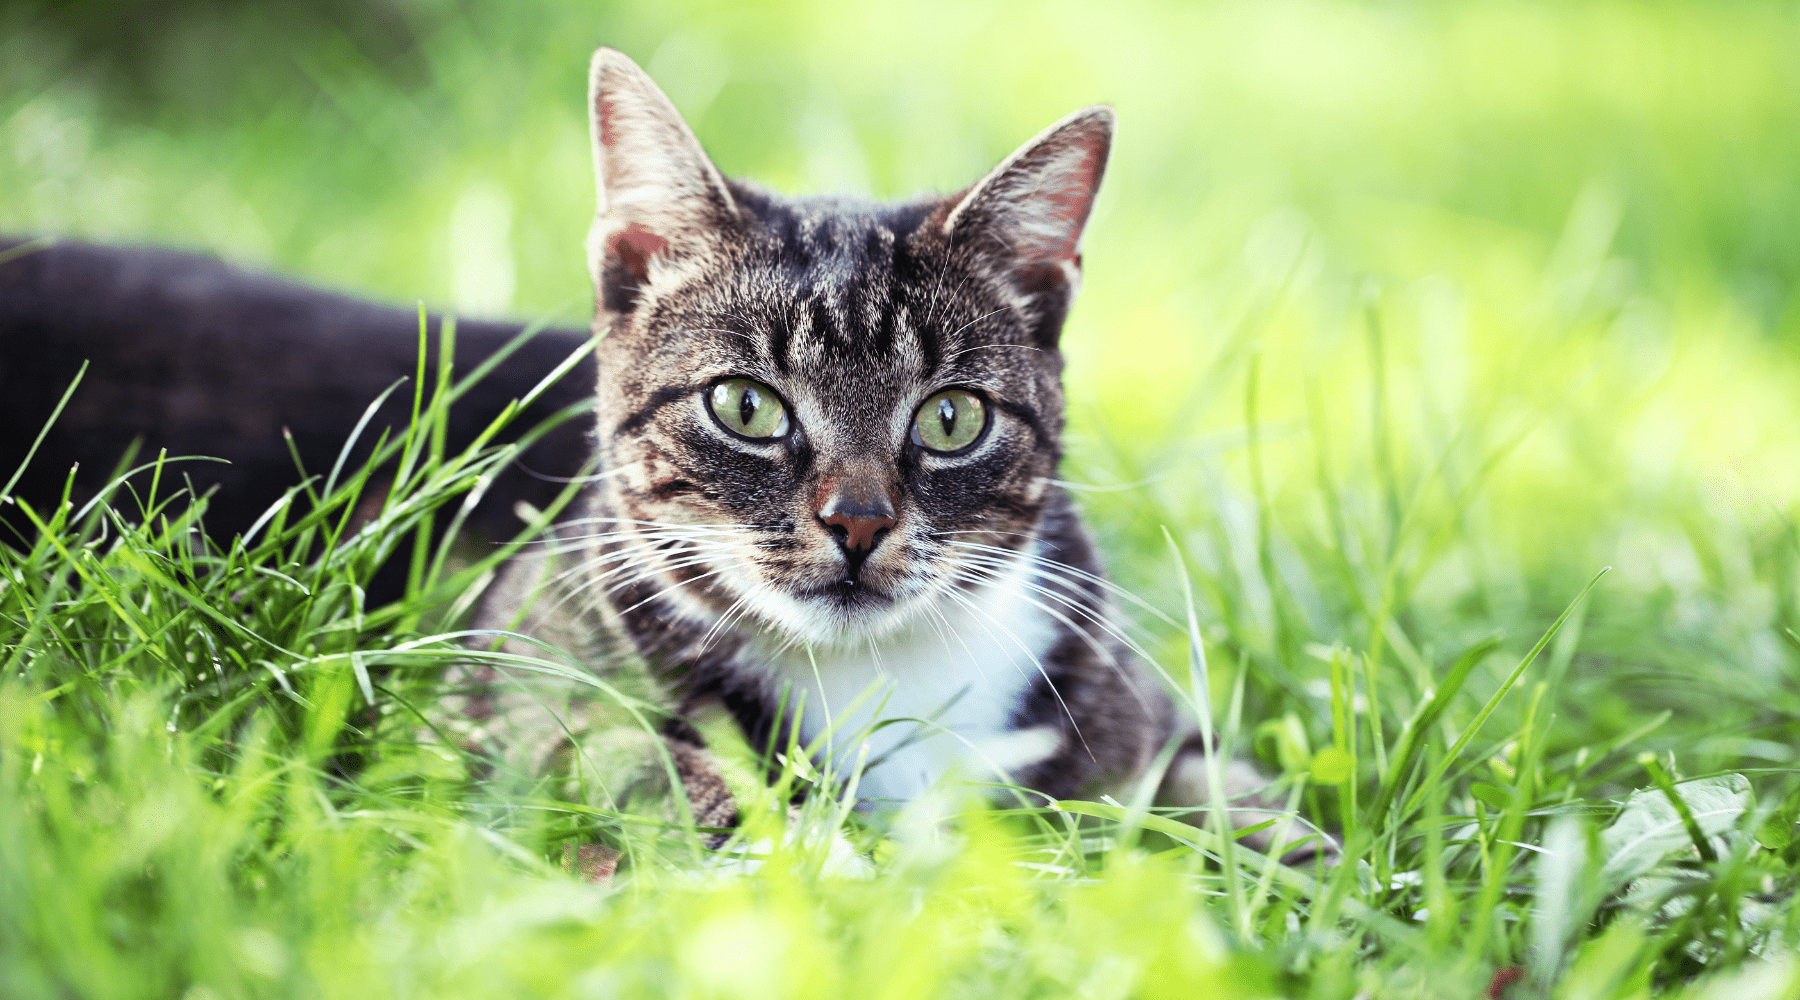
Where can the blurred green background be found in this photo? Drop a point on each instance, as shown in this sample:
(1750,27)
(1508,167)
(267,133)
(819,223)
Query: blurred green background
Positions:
(1405,317)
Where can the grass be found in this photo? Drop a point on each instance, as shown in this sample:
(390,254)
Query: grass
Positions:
(1401,325)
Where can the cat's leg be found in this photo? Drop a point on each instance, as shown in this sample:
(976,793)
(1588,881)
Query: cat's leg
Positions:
(1252,798)
(708,793)
(567,706)
(535,735)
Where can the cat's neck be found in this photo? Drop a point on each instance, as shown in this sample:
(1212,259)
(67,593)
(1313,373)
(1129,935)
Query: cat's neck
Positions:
(939,695)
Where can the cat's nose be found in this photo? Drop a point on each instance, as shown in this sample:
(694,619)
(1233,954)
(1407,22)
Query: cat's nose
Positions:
(858,510)
(858,532)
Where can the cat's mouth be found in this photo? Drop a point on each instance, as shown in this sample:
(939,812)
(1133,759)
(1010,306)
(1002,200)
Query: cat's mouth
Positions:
(850,595)
(836,609)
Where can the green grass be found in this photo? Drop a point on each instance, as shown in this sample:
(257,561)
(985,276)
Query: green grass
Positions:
(1402,323)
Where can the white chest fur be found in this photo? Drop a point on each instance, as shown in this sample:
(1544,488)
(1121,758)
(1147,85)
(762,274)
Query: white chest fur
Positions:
(955,677)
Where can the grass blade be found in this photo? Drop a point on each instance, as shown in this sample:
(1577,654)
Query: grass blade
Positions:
(1437,772)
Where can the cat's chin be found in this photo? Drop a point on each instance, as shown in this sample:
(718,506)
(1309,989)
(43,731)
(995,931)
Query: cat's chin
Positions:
(847,612)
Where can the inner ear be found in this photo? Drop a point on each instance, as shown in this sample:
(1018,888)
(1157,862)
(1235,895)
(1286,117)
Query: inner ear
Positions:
(627,268)
(1026,217)
(658,196)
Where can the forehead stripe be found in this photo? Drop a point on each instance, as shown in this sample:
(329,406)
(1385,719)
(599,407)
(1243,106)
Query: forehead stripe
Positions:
(923,315)
(781,340)
(930,351)
(824,329)
(869,307)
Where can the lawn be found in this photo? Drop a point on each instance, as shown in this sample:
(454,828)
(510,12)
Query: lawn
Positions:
(1434,385)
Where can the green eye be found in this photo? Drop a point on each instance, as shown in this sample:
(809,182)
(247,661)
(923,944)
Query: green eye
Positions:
(949,421)
(748,408)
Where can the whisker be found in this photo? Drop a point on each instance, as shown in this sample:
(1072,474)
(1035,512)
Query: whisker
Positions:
(646,566)
(602,519)
(875,658)
(991,312)
(649,558)
(1107,656)
(973,574)
(747,338)
(697,529)
(595,604)
(673,586)
(945,637)
(1106,623)
(937,288)
(648,549)
(563,546)
(725,619)
(1096,488)
(519,463)
(1070,715)
(1063,567)
(990,347)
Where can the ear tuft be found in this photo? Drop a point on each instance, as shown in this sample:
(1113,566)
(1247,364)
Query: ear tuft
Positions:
(659,195)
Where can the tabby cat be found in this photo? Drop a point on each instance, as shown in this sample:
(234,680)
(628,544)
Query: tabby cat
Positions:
(827,438)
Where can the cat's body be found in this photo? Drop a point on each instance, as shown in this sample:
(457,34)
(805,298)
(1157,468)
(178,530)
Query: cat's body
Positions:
(184,354)
(827,431)
(794,507)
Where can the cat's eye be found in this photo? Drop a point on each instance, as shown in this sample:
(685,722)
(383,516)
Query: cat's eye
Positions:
(949,421)
(748,409)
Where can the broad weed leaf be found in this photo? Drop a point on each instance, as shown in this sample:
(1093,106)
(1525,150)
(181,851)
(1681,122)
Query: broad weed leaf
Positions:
(1649,828)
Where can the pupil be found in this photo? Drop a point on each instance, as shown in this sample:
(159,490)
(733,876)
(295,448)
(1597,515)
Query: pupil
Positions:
(947,416)
(747,406)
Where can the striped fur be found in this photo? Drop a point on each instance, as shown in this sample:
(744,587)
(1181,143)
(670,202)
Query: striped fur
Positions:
(980,614)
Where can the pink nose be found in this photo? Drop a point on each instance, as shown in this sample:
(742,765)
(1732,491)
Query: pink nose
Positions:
(856,504)
(860,530)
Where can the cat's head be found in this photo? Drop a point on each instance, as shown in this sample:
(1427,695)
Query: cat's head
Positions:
(824,414)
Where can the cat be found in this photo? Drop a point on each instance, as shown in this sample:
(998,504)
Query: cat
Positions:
(827,433)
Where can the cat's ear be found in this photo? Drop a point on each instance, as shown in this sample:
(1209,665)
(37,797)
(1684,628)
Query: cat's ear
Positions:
(1026,216)
(660,198)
